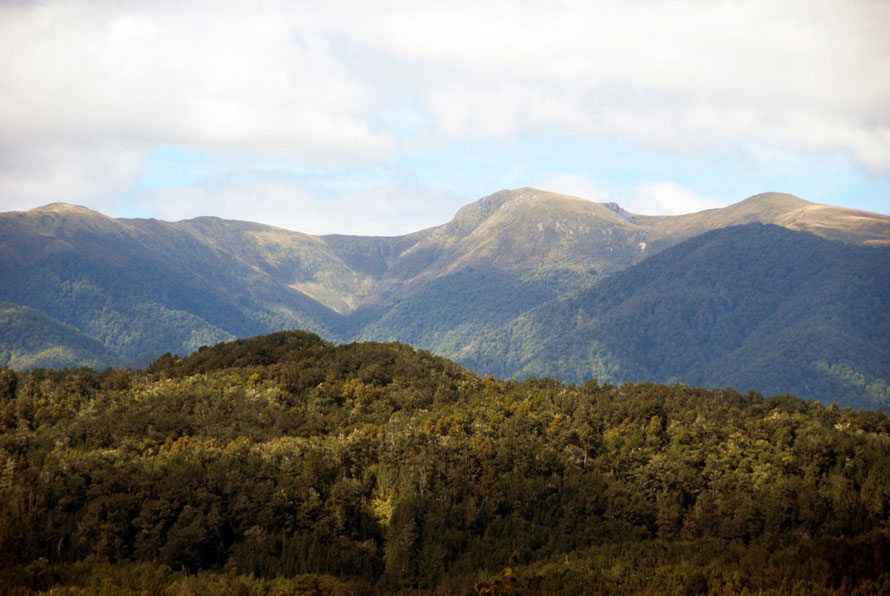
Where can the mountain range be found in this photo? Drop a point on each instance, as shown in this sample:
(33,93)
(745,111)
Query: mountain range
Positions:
(773,293)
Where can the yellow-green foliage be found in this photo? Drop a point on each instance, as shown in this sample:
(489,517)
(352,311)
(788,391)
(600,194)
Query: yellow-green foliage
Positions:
(262,466)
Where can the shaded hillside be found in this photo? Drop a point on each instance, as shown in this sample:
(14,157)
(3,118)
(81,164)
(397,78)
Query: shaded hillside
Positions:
(142,287)
(35,340)
(748,307)
(453,311)
(284,464)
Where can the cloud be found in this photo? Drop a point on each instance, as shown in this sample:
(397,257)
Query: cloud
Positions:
(87,88)
(79,77)
(667,198)
(366,211)
(687,76)
(88,173)
(653,198)
(231,78)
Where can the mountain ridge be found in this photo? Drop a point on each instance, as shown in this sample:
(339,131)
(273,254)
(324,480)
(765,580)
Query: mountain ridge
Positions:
(142,287)
(479,235)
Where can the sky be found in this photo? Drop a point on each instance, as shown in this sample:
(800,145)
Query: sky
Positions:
(386,117)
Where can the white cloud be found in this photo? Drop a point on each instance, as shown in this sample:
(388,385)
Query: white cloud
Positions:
(87,88)
(88,173)
(227,77)
(691,74)
(666,198)
(365,212)
(78,77)
(654,198)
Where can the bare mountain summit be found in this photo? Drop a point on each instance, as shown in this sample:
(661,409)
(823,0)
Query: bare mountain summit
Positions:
(833,223)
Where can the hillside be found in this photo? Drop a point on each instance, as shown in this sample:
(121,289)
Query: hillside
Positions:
(445,314)
(532,230)
(143,287)
(751,307)
(285,464)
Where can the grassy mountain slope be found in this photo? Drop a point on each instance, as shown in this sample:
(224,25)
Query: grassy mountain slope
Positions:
(35,340)
(524,229)
(288,259)
(833,223)
(284,464)
(529,229)
(751,306)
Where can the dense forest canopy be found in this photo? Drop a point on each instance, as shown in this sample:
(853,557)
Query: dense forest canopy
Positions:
(286,463)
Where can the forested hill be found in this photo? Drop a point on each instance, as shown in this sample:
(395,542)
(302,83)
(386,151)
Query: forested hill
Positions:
(752,307)
(283,463)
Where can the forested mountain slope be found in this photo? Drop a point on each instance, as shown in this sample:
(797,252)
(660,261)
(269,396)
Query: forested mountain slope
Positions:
(283,463)
(34,339)
(446,314)
(751,307)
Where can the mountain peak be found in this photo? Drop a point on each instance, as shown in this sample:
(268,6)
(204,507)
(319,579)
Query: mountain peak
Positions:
(65,209)
(775,200)
(517,209)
